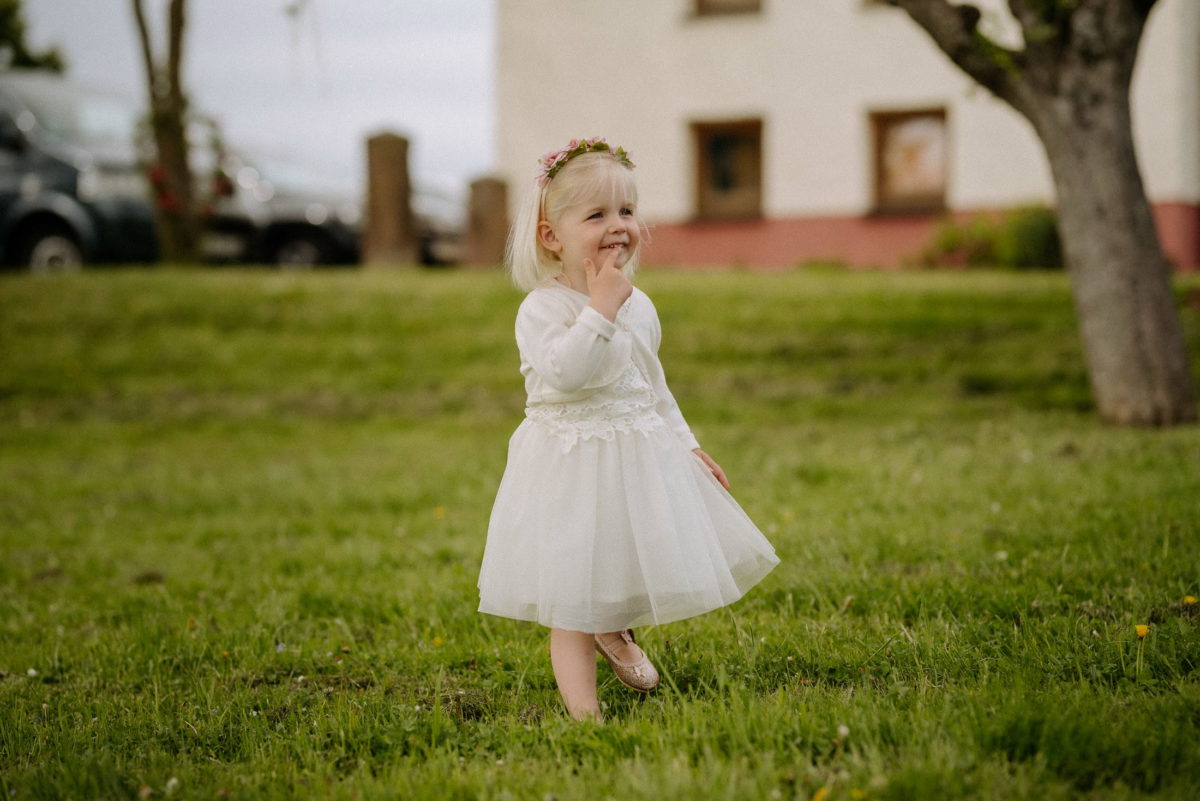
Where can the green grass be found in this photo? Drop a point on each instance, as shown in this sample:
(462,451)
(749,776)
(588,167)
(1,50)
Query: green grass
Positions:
(242,515)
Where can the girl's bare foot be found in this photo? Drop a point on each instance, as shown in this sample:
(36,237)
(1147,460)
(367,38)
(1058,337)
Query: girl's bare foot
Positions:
(592,715)
(573,658)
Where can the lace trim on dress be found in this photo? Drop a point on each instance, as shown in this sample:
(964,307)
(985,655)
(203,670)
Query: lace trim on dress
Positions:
(627,405)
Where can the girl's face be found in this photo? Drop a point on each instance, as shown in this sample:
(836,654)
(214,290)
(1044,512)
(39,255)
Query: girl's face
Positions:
(592,230)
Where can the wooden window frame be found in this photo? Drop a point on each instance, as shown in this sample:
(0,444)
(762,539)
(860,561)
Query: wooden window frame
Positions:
(700,131)
(879,122)
(706,8)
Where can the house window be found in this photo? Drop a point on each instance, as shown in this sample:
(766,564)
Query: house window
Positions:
(910,160)
(728,169)
(706,8)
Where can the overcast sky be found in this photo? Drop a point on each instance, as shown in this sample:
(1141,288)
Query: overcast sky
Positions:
(311,87)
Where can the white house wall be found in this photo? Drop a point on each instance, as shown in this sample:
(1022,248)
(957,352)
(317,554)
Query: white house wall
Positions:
(639,71)
(1166,102)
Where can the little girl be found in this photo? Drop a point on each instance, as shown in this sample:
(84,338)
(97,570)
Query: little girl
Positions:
(609,515)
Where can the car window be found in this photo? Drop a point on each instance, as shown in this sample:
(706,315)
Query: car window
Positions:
(77,115)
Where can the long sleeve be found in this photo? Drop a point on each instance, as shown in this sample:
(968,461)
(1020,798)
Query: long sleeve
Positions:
(569,350)
(667,408)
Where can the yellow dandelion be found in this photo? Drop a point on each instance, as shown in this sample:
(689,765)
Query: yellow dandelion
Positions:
(437,641)
(439,512)
(821,794)
(857,793)
(1142,630)
(1189,599)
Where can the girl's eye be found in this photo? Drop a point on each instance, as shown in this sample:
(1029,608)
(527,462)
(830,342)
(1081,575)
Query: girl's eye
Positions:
(596,214)
(627,212)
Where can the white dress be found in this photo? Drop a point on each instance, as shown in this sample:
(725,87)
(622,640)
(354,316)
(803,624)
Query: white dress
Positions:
(605,519)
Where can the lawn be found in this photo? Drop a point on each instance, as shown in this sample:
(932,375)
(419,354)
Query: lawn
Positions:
(243,511)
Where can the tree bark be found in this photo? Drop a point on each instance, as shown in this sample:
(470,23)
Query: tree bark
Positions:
(171,175)
(1132,338)
(1071,81)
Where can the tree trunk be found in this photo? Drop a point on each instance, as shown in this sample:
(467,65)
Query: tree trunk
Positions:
(178,227)
(171,175)
(1132,339)
(1071,80)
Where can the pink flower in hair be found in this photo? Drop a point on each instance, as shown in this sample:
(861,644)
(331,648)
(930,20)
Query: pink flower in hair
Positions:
(551,163)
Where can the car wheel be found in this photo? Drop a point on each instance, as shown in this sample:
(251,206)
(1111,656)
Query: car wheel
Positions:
(52,249)
(300,250)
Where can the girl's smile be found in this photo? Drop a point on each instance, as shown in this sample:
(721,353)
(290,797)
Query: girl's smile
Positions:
(592,232)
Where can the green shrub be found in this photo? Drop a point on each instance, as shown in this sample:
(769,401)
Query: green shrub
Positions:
(1028,238)
(1024,238)
(970,244)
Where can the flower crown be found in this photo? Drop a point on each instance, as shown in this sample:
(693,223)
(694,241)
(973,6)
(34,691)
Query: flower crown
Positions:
(551,163)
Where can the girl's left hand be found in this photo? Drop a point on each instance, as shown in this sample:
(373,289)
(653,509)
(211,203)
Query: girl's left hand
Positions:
(715,468)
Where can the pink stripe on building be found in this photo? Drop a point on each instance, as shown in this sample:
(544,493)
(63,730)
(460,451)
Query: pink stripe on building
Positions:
(859,241)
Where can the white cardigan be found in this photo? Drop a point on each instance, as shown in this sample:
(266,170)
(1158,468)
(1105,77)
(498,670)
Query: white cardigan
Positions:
(569,350)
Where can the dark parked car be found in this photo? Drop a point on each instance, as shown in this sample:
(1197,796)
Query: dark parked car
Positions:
(303,219)
(74,190)
(308,218)
(70,187)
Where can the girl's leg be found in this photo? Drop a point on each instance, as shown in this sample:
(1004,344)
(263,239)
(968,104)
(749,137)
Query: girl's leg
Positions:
(573,657)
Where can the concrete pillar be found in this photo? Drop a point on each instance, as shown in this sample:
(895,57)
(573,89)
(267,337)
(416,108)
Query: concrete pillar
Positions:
(389,235)
(487,222)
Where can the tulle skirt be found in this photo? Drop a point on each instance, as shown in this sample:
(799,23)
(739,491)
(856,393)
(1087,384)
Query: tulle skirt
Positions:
(614,532)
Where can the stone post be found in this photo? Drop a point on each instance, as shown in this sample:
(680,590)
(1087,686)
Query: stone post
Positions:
(389,235)
(487,222)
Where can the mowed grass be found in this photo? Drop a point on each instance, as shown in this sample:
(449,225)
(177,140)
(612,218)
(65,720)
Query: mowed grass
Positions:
(242,516)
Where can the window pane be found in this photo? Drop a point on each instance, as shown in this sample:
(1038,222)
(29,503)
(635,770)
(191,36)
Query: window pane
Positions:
(727,6)
(729,177)
(722,154)
(914,157)
(910,159)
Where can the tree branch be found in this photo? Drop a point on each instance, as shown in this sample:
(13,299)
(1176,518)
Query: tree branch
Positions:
(955,29)
(175,51)
(1041,25)
(147,52)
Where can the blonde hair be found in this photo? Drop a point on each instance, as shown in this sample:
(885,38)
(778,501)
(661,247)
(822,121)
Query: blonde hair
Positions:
(582,178)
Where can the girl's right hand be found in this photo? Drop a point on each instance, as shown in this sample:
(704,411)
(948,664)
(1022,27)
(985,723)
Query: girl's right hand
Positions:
(607,286)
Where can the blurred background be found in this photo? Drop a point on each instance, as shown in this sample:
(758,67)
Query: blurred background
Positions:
(308,80)
(291,90)
(771,135)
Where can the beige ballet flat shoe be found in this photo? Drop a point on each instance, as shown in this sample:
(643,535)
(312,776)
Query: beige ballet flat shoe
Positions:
(639,675)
